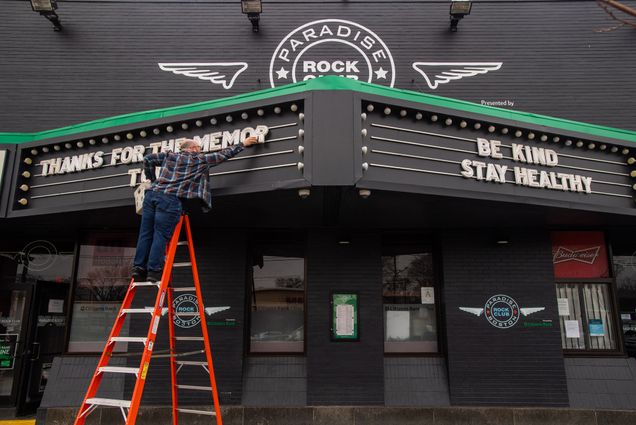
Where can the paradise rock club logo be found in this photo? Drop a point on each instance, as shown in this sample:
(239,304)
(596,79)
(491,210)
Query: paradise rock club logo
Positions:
(502,311)
(587,255)
(188,304)
(332,47)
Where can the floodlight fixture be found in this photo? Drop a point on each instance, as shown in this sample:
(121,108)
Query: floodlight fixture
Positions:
(253,10)
(47,9)
(458,9)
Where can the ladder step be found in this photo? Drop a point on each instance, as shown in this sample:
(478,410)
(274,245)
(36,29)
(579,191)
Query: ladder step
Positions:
(182,243)
(184,289)
(192,363)
(194,387)
(197,412)
(147,310)
(188,338)
(118,369)
(128,339)
(109,402)
(146,284)
(188,264)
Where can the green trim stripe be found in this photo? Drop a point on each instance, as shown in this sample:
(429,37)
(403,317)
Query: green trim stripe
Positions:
(328,83)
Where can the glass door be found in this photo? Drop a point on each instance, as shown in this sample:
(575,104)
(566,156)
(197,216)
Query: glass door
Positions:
(14,302)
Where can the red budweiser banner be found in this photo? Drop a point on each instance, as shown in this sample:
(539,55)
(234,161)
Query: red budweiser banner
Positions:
(579,255)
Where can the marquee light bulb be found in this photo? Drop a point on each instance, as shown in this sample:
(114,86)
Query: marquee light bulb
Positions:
(56,147)
(28,161)
(198,123)
(602,147)
(229,118)
(23,201)
(591,146)
(434,118)
(260,112)
(184,125)
(80,144)
(370,107)
(301,117)
(544,138)
(34,152)
(294,107)
(556,139)
(625,151)
(117,137)
(244,115)
(68,145)
(104,140)
(403,113)
(614,149)
(419,116)
(363,116)
(129,136)
(387,110)
(26,174)
(143,133)
(448,121)
(518,133)
(213,121)
(92,142)
(169,129)
(463,124)
(277,110)
(45,149)
(477,125)
(491,129)
(156,131)
(568,142)
(24,187)
(631,161)
(531,136)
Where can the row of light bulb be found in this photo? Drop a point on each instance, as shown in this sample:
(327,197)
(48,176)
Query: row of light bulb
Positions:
(156,131)
(448,121)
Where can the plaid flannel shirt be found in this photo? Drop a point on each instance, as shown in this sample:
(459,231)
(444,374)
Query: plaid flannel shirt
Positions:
(186,174)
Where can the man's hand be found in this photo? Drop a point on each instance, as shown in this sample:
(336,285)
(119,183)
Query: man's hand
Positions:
(250,141)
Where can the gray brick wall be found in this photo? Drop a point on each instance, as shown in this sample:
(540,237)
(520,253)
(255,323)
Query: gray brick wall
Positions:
(275,381)
(518,366)
(344,373)
(601,383)
(415,381)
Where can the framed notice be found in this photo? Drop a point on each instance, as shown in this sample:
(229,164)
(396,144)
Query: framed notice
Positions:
(8,346)
(344,317)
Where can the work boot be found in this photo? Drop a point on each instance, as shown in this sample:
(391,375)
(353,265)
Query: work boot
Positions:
(154,276)
(138,274)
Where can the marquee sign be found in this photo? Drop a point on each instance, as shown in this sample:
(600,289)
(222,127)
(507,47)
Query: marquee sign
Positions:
(434,152)
(106,168)
(502,311)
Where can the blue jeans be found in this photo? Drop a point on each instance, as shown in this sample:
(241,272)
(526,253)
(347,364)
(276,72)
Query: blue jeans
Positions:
(160,215)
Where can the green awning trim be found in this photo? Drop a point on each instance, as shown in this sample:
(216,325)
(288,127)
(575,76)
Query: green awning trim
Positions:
(329,83)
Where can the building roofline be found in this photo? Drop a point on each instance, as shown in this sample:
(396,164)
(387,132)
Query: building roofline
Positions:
(326,83)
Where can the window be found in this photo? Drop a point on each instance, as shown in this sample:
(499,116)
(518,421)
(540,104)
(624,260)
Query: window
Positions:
(278,298)
(409,293)
(584,291)
(103,276)
(624,262)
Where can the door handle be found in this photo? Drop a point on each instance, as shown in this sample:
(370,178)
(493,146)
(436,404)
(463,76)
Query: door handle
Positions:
(35,350)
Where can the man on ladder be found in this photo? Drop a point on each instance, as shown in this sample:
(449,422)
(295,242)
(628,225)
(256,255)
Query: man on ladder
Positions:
(183,177)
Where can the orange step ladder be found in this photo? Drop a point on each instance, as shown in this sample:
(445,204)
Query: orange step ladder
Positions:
(130,408)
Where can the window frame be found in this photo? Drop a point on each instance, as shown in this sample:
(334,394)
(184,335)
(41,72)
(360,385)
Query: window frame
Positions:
(422,241)
(263,240)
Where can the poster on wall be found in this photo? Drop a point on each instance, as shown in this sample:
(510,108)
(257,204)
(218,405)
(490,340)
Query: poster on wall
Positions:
(596,327)
(8,346)
(579,255)
(344,317)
